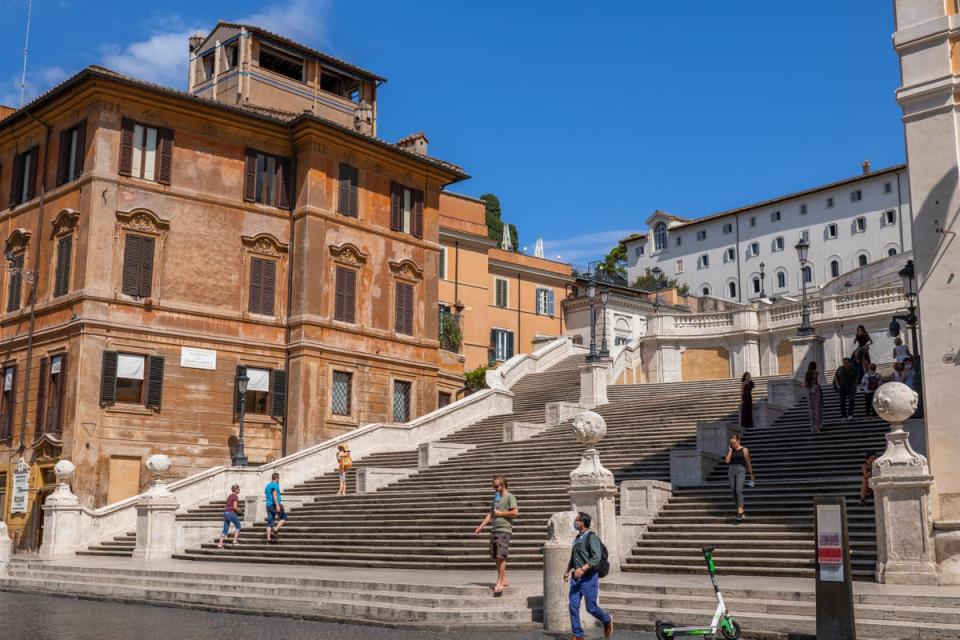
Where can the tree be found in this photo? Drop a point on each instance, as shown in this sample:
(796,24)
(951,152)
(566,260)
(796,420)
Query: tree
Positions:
(616,261)
(495,223)
(649,283)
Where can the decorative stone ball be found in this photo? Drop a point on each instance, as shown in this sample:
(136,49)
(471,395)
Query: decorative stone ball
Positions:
(589,427)
(64,470)
(158,463)
(895,402)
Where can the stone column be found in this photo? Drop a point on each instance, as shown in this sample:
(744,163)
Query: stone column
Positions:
(62,515)
(6,547)
(807,349)
(156,516)
(593,384)
(592,488)
(556,556)
(902,486)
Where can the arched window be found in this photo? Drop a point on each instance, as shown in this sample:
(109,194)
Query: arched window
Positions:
(756,284)
(862,260)
(807,274)
(705,290)
(732,289)
(892,251)
(834,268)
(781,279)
(660,236)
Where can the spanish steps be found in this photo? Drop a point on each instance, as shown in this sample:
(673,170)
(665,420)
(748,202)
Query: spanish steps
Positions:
(427,519)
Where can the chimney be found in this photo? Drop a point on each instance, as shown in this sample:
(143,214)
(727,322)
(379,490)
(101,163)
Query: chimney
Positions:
(866,167)
(416,142)
(196,40)
(363,118)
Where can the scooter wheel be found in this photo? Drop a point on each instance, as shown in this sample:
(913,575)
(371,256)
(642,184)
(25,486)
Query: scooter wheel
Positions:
(726,633)
(662,628)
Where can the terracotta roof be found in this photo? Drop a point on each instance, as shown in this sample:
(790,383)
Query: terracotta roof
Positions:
(778,199)
(268,115)
(413,136)
(325,57)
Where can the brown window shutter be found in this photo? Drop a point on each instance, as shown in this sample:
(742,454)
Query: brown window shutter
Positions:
(350,295)
(41,398)
(283,183)
(132,251)
(9,414)
(108,379)
(81,148)
(417,223)
(16,180)
(250,176)
(165,157)
(404,309)
(16,280)
(343,199)
(34,170)
(154,381)
(63,161)
(256,285)
(64,251)
(126,146)
(55,419)
(355,192)
(269,283)
(339,297)
(145,284)
(278,394)
(396,207)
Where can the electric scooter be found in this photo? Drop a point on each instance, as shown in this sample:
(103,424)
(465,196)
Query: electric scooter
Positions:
(722,620)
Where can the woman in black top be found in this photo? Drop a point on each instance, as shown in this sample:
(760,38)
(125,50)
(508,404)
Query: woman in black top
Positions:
(739,464)
(746,401)
(861,354)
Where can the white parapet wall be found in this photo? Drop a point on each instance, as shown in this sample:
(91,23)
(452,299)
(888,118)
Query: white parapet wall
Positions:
(214,483)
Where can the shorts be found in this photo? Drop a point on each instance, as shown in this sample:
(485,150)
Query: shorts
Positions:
(229,517)
(274,514)
(500,544)
(343,475)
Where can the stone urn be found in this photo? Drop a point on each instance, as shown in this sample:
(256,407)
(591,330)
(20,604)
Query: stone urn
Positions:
(62,495)
(589,428)
(158,464)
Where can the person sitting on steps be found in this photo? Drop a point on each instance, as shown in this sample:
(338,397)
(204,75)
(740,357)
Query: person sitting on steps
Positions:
(866,492)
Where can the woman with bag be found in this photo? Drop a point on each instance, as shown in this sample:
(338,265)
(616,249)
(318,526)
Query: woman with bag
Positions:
(344,462)
(746,401)
(811,384)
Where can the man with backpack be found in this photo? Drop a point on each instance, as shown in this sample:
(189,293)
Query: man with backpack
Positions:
(870,383)
(588,563)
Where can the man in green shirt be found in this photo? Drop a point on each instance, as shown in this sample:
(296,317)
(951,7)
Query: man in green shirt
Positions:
(500,517)
(583,577)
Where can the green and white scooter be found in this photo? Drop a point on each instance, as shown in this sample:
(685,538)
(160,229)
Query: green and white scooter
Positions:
(722,621)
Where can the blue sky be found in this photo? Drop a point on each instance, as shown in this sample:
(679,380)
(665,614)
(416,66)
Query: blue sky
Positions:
(582,118)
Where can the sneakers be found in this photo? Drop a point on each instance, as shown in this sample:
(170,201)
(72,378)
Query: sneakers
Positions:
(608,629)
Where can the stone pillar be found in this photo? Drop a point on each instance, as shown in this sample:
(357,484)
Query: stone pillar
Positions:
(556,556)
(593,384)
(669,364)
(62,515)
(902,487)
(6,546)
(592,488)
(156,516)
(807,349)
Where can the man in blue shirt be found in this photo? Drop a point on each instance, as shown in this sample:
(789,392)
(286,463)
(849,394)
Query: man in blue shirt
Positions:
(275,510)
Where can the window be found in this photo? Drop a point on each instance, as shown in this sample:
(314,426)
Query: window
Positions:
(258,391)
(345,295)
(341,393)
(206,65)
(834,268)
(138,266)
(50,395)
(545,302)
(231,56)
(775,216)
(888,187)
(263,276)
(349,187)
(778,243)
(501,344)
(728,228)
(70,164)
(703,262)
(266,392)
(340,85)
(705,291)
(859,225)
(732,289)
(781,279)
(401,400)
(730,255)
(266,179)
(831,231)
(701,235)
(146,152)
(856,196)
(8,401)
(131,378)
(406,210)
(23,181)
(660,236)
(754,248)
(756,284)
(500,292)
(15,283)
(808,274)
(829,203)
(279,62)
(892,251)
(638,251)
(443,399)
(620,340)
(803,209)
(404,309)
(679,241)
(753,221)
(62,280)
(889,217)
(862,260)
(678,266)
(442,266)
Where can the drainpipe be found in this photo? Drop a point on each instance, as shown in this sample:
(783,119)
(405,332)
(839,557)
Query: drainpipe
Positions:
(456,273)
(736,219)
(518,338)
(33,286)
(291,195)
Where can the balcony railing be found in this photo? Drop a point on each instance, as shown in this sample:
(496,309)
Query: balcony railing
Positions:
(596,271)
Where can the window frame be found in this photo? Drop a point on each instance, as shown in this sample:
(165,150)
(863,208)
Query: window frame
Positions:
(783,279)
(142,393)
(730,254)
(754,249)
(727,228)
(443,263)
(397,382)
(23,177)
(143,279)
(835,273)
(71,153)
(660,236)
(348,192)
(831,231)
(778,244)
(703,262)
(678,266)
(776,216)
(860,224)
(259,304)
(856,195)
(334,374)
(889,218)
(702,235)
(404,316)
(500,351)
(496,292)
(546,296)
(345,304)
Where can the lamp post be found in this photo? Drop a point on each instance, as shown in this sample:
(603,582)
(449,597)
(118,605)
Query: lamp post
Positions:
(604,298)
(763,289)
(907,274)
(591,295)
(803,247)
(657,273)
(239,458)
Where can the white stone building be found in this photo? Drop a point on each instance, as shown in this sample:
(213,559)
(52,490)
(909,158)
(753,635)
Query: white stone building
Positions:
(849,224)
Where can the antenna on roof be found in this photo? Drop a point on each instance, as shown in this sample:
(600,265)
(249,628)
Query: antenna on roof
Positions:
(26,45)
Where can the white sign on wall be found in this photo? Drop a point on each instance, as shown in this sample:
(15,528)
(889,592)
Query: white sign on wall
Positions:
(21,487)
(192,358)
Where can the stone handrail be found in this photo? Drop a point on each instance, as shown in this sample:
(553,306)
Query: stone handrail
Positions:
(507,374)
(871,297)
(192,491)
(623,357)
(704,320)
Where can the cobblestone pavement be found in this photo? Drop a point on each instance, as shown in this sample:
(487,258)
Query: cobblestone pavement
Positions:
(38,617)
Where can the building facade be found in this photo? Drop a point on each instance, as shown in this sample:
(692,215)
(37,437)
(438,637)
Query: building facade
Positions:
(747,253)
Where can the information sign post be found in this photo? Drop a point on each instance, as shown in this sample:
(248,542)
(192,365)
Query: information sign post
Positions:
(835,618)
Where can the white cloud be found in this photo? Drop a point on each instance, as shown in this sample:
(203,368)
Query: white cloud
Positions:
(161,58)
(583,248)
(301,20)
(36,83)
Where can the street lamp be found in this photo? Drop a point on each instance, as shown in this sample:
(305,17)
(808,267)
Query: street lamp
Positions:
(763,290)
(604,298)
(908,275)
(803,248)
(591,295)
(239,458)
(657,273)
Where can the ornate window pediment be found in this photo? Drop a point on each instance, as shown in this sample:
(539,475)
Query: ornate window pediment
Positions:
(264,244)
(18,241)
(348,254)
(65,222)
(406,270)
(143,221)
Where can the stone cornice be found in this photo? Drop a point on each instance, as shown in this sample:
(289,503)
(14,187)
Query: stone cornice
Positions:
(143,221)
(264,244)
(65,222)
(406,270)
(348,254)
